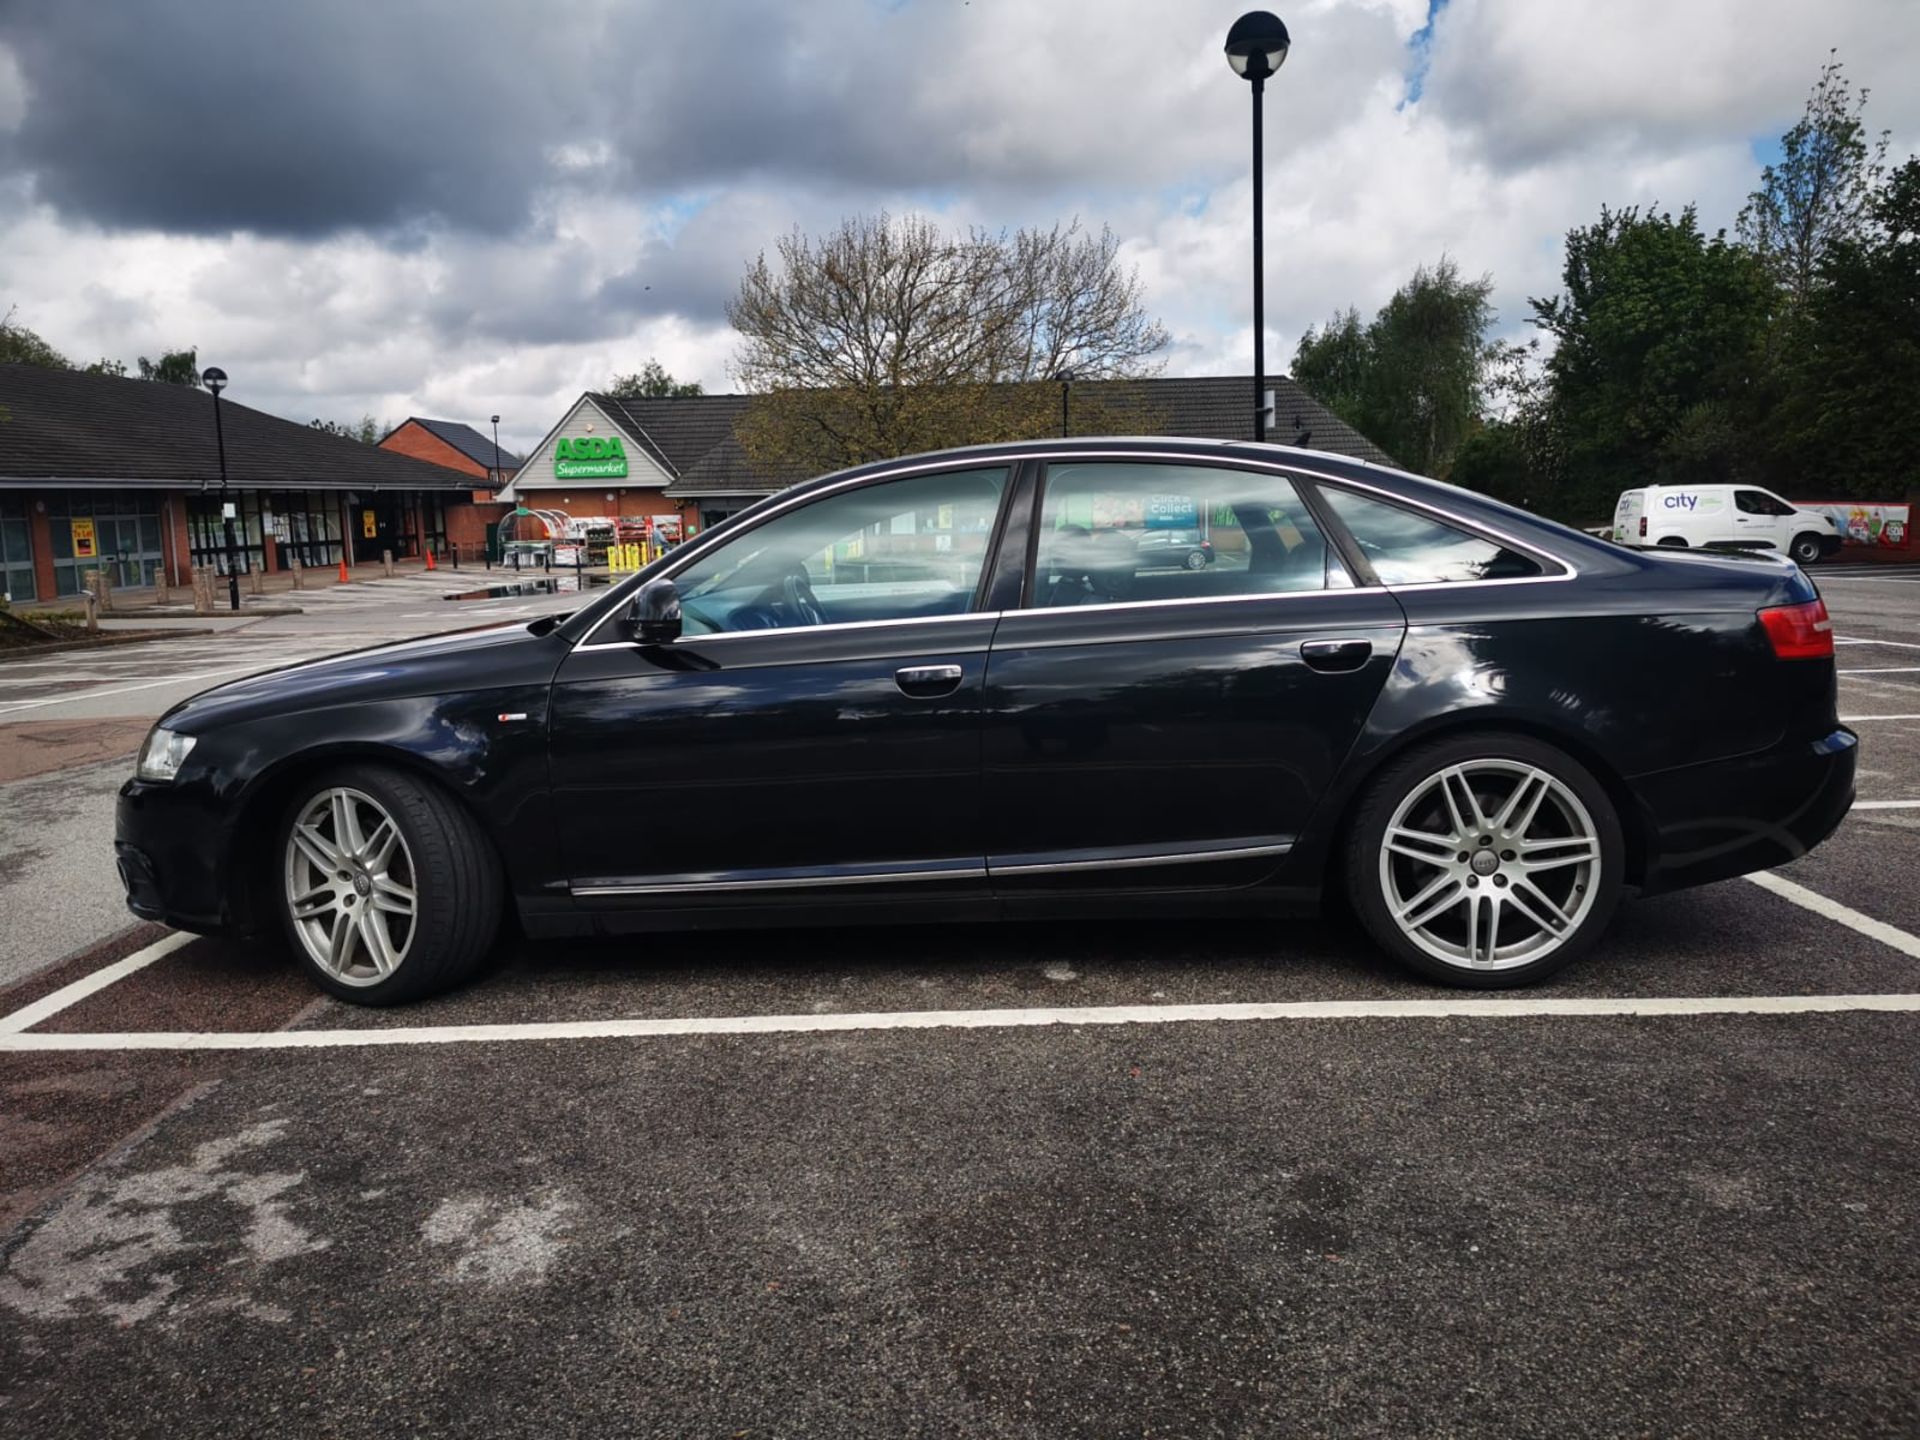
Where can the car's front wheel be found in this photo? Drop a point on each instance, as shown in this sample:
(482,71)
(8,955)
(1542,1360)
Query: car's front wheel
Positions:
(1196,560)
(389,891)
(1805,549)
(1485,861)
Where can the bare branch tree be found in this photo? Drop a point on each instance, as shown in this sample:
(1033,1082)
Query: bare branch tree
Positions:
(887,336)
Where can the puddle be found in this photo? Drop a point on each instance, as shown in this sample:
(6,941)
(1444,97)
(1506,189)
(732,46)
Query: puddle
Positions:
(551,585)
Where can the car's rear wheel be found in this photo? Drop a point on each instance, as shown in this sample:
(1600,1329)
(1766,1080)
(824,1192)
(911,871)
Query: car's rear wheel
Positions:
(1485,861)
(1196,560)
(389,891)
(1805,549)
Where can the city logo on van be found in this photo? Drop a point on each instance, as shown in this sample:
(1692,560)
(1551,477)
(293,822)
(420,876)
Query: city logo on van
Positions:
(1680,502)
(590,457)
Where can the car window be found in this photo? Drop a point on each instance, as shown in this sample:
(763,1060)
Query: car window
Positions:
(896,550)
(1407,548)
(1752,502)
(1117,532)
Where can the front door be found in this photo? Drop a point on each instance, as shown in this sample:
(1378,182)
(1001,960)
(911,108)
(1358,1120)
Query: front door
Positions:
(1153,722)
(815,731)
(1762,520)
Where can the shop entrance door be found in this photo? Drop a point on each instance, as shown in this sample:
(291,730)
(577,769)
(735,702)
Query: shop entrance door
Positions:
(375,521)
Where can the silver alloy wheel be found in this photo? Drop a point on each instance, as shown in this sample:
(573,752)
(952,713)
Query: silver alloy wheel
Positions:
(1490,864)
(350,886)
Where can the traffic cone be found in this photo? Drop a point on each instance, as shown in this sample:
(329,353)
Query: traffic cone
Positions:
(430,564)
(343,570)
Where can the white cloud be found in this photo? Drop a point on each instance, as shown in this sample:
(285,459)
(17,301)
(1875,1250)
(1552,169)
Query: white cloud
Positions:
(647,202)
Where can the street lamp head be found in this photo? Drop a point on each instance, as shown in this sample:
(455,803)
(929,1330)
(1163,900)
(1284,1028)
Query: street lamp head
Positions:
(1257,45)
(214,378)
(496,419)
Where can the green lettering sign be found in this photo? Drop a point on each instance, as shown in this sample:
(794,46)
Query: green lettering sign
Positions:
(590,457)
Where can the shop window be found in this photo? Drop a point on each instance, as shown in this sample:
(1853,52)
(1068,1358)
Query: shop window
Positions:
(16,551)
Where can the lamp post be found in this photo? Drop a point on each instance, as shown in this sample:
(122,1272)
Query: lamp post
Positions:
(215,379)
(1256,48)
(1065,377)
(496,451)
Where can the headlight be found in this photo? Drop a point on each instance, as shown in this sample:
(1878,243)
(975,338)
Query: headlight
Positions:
(163,754)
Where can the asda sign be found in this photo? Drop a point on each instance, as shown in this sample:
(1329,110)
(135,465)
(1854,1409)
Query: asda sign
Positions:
(591,457)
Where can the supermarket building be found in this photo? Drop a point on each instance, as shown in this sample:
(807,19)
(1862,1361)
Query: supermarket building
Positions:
(100,472)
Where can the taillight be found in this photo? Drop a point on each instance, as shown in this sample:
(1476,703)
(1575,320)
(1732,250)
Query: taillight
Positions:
(1643,527)
(1800,632)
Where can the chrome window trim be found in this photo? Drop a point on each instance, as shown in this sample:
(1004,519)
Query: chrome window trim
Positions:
(688,553)
(722,636)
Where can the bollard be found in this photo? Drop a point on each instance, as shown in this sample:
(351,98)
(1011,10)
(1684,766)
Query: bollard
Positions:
(299,572)
(256,581)
(456,555)
(386,562)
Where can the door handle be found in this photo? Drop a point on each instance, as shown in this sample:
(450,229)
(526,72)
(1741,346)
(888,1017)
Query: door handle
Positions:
(1334,656)
(928,681)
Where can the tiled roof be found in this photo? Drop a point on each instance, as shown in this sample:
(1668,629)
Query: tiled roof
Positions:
(468,441)
(65,426)
(694,438)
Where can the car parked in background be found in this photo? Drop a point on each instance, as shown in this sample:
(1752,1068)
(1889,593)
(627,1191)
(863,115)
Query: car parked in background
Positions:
(1722,517)
(1183,548)
(933,690)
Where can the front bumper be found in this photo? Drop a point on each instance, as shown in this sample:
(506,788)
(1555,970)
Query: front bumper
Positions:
(170,846)
(1732,817)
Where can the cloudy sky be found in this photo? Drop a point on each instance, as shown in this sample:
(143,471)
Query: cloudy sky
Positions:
(458,207)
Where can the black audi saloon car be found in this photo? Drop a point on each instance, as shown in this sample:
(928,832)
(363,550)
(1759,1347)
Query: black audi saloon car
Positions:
(903,693)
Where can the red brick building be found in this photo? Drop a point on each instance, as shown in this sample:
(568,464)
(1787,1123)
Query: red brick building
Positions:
(98,472)
(469,524)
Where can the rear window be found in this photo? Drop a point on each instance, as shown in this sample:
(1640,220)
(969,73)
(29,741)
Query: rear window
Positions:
(1408,548)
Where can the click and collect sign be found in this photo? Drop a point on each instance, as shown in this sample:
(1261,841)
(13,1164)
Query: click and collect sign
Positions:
(590,457)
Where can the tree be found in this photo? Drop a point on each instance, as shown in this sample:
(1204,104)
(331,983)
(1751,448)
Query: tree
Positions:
(176,367)
(1846,423)
(366,430)
(652,382)
(1654,377)
(21,346)
(1821,191)
(888,336)
(1414,381)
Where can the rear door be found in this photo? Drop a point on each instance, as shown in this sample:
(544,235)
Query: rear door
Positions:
(1627,515)
(1148,724)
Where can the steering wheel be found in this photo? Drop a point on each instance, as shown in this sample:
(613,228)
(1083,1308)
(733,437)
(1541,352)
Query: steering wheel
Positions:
(796,588)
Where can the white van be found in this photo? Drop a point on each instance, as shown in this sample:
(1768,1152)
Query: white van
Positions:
(1722,517)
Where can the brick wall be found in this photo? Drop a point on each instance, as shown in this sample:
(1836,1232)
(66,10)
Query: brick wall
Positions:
(422,444)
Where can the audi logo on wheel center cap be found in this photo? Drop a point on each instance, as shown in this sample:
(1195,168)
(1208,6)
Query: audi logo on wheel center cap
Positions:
(1484,862)
(362,885)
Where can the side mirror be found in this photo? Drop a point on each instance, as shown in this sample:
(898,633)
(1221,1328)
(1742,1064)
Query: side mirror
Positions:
(653,617)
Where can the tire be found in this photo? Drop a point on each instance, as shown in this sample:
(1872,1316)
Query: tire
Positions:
(1196,560)
(1805,548)
(434,859)
(1485,924)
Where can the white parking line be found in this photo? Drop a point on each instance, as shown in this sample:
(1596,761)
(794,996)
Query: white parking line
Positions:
(1856,719)
(1475,1009)
(11,707)
(49,1006)
(1889,670)
(1896,644)
(14,1036)
(1886,804)
(1846,915)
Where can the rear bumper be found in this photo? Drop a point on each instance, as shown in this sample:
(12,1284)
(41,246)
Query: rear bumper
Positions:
(1732,817)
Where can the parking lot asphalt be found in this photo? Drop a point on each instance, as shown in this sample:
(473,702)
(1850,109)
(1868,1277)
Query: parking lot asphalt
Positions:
(1531,1223)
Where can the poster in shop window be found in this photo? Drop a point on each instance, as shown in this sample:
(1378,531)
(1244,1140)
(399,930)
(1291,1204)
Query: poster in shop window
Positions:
(84,547)
(369,526)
